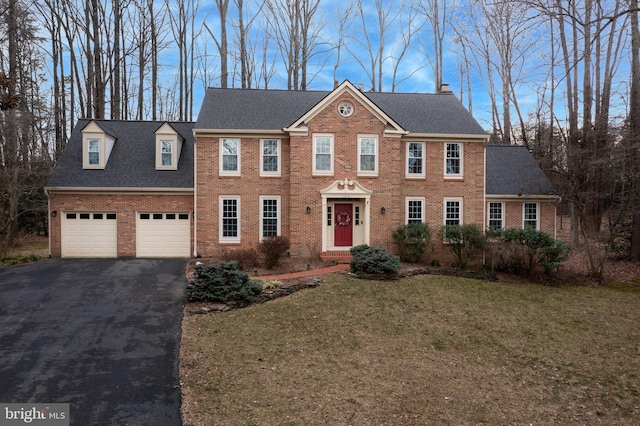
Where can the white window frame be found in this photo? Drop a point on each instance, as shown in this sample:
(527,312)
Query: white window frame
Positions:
(97,142)
(221,238)
(373,172)
(163,153)
(239,149)
(408,201)
(445,217)
(264,172)
(460,174)
(524,215)
(489,218)
(264,198)
(316,137)
(408,173)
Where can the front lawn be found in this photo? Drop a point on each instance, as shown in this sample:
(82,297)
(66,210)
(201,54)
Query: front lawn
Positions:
(421,350)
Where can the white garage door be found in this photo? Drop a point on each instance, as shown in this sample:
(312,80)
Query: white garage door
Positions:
(91,234)
(163,234)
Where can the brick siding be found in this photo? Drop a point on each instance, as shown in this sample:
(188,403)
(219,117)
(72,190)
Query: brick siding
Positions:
(125,205)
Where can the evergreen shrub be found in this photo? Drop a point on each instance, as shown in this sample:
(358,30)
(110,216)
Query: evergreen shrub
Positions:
(221,282)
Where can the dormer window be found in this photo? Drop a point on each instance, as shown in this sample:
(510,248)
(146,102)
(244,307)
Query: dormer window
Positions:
(168,147)
(167,153)
(94,152)
(96,146)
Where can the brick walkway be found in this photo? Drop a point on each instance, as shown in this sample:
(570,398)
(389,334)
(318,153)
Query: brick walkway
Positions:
(310,273)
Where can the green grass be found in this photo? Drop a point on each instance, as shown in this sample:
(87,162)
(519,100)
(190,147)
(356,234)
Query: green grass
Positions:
(422,350)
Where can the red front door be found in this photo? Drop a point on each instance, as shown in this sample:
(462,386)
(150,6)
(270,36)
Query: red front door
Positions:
(343,234)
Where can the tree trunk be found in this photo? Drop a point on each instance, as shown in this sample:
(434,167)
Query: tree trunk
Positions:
(634,131)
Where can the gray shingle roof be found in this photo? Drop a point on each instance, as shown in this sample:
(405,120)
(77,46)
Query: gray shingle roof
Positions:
(253,109)
(132,163)
(512,170)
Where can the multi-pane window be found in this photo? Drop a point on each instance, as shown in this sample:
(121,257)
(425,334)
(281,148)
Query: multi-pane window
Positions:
(453,159)
(270,223)
(496,212)
(166,153)
(322,154)
(415,210)
(270,156)
(329,216)
(94,151)
(230,156)
(356,215)
(415,159)
(453,212)
(367,149)
(530,215)
(230,219)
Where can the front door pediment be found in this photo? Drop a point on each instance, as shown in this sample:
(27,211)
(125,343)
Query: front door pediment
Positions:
(346,189)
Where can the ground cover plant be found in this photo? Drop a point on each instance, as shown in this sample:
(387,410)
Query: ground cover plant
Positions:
(415,351)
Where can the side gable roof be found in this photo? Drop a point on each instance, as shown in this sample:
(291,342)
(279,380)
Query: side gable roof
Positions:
(132,163)
(512,170)
(257,109)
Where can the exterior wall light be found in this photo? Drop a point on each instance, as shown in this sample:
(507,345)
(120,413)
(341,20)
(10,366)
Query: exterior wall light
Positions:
(383,210)
(308,210)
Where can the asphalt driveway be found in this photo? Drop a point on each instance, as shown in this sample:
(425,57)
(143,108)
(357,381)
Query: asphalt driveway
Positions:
(100,334)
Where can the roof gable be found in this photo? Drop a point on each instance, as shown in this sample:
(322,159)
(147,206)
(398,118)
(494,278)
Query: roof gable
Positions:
(392,128)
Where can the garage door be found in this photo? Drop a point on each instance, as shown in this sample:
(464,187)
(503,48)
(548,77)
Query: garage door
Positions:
(89,234)
(163,235)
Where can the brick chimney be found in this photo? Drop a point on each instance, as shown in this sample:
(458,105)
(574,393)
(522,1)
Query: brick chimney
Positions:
(444,88)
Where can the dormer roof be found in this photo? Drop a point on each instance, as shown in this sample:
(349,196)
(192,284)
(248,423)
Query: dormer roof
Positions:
(132,163)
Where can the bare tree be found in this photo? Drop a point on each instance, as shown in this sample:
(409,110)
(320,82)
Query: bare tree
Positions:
(292,26)
(436,13)
(374,48)
(634,130)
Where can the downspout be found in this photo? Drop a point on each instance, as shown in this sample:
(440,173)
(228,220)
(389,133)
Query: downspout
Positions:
(195,197)
(48,218)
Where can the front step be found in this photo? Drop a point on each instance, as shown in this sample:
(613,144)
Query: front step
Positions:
(336,256)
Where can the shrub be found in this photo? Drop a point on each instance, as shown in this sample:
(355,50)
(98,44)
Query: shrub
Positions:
(221,282)
(464,242)
(522,250)
(272,249)
(412,241)
(17,260)
(373,260)
(246,259)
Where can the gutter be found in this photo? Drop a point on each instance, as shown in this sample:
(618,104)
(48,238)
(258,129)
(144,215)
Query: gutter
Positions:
(511,197)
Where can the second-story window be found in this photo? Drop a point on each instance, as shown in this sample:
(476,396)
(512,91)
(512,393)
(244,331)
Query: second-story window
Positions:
(230,156)
(367,155)
(415,159)
(270,157)
(323,154)
(453,160)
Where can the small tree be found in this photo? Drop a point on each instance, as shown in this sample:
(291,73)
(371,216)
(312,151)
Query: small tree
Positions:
(412,241)
(464,242)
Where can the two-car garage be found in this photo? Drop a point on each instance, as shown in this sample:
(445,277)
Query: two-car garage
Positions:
(95,234)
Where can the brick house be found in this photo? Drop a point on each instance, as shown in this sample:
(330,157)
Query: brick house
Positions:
(329,170)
